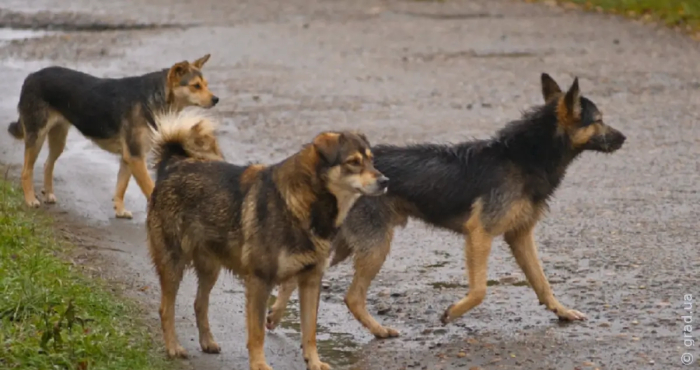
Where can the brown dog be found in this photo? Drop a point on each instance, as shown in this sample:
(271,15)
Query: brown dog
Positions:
(267,225)
(116,114)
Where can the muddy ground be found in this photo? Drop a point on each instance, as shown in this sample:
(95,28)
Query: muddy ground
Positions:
(620,242)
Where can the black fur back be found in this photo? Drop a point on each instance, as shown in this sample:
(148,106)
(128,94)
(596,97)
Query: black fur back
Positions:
(95,106)
(440,183)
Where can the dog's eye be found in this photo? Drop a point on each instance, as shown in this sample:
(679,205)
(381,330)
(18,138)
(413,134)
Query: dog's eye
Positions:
(197,86)
(354,162)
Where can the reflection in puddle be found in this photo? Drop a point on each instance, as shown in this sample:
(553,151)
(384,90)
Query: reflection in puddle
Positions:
(338,349)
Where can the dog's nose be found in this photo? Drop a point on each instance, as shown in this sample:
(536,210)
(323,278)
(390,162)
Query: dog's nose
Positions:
(214,100)
(383,181)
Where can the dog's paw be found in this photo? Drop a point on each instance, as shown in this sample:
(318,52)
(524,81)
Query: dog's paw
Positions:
(210,346)
(123,214)
(445,318)
(318,365)
(33,203)
(50,198)
(260,366)
(177,352)
(273,319)
(569,315)
(385,332)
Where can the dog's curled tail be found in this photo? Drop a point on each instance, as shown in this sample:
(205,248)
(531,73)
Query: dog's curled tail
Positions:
(184,135)
(15,129)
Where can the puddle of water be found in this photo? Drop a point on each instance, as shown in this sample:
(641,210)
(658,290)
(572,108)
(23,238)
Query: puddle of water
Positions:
(338,349)
(9,34)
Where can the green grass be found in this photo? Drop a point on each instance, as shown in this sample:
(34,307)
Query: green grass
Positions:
(51,315)
(682,13)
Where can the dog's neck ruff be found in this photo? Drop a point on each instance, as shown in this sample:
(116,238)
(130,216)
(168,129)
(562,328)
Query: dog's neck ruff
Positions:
(536,145)
(300,186)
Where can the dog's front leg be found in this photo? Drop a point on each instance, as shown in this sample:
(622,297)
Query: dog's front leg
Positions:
(309,294)
(138,168)
(522,244)
(122,183)
(257,292)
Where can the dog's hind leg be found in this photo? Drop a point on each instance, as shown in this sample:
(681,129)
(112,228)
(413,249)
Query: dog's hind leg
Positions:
(122,183)
(477,250)
(368,261)
(33,141)
(207,273)
(309,294)
(170,274)
(276,312)
(257,292)
(522,244)
(57,142)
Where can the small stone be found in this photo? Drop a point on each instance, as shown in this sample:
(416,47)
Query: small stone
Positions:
(461,354)
(383,309)
(604,325)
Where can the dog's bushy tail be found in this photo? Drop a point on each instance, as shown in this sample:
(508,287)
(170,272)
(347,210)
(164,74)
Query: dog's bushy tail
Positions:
(15,129)
(184,135)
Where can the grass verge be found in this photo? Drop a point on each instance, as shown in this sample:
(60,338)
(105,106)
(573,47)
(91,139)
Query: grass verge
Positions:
(51,315)
(683,14)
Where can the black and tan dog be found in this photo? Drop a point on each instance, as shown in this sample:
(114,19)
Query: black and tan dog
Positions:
(265,224)
(116,114)
(480,189)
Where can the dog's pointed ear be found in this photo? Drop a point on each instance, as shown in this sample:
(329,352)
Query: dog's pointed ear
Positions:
(362,137)
(550,88)
(327,145)
(177,71)
(199,63)
(572,100)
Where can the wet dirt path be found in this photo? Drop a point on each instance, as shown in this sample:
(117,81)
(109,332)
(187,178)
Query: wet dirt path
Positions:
(620,242)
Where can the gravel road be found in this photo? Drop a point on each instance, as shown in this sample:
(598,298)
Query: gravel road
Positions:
(621,242)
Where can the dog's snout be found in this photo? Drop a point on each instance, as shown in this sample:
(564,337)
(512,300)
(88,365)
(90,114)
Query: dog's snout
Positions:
(214,100)
(383,181)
